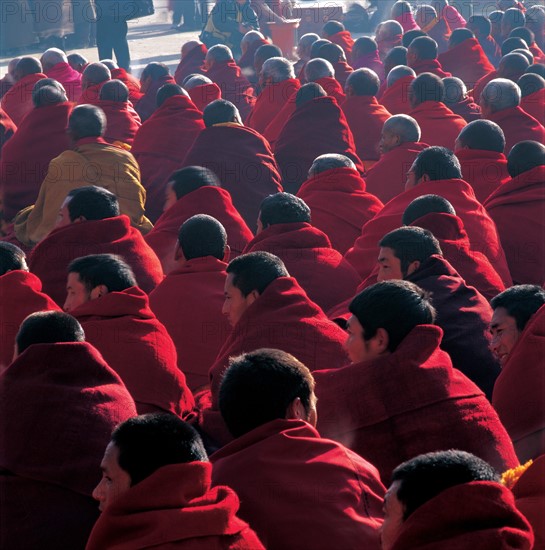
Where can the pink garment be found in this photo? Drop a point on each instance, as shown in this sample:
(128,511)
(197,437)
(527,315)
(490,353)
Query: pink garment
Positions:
(68,77)
(453,18)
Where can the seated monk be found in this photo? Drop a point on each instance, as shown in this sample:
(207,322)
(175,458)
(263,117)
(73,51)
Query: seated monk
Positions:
(115,314)
(322,73)
(388,35)
(438,124)
(333,179)
(122,121)
(318,126)
(365,55)
(17,102)
(119,73)
(512,18)
(388,403)
(242,158)
(402,13)
(191,60)
(422,57)
(326,495)
(481,27)
(40,138)
(164,497)
(153,77)
(535,20)
(57,384)
(479,148)
(191,191)
(55,65)
(458,101)
(201,90)
(532,91)
(22,295)
(91,161)
(336,56)
(250,43)
(436,214)
(93,78)
(8,80)
(364,114)
(529,37)
(518,209)
(399,145)
(435,27)
(395,98)
(89,222)
(77,61)
(163,141)
(451,500)
(303,53)
(196,286)
(435,171)
(284,229)
(335,32)
(222,69)
(463,313)
(262,54)
(409,36)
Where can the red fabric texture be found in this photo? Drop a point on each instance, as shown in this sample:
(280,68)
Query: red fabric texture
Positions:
(137,346)
(453,18)
(174,507)
(20,295)
(91,94)
(518,209)
(243,161)
(326,495)
(215,202)
(366,117)
(315,128)
(386,178)
(370,61)
(7,129)
(161,145)
(342,71)
(466,61)
(345,41)
(480,514)
(191,63)
(123,122)
(68,77)
(406,20)
(396,98)
(381,408)
(17,102)
(205,94)
(481,83)
(467,109)
(484,170)
(517,125)
(429,66)
(354,206)
(478,224)
(147,104)
(324,274)
(130,81)
(534,105)
(50,258)
(333,88)
(539,56)
(438,124)
(40,138)
(274,128)
(194,287)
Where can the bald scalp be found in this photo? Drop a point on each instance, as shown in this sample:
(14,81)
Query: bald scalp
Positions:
(512,66)
(424,48)
(318,68)
(195,80)
(330,161)
(483,135)
(424,205)
(404,127)
(308,92)
(188,46)
(27,66)
(363,82)
(500,94)
(95,73)
(52,57)
(114,90)
(398,72)
(525,156)
(530,83)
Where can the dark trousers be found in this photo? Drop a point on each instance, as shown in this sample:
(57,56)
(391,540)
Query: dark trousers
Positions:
(112,37)
(186,9)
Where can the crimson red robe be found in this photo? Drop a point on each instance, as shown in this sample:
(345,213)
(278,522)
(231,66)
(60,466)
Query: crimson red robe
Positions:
(315,128)
(161,145)
(438,124)
(484,170)
(306,251)
(50,258)
(205,94)
(247,58)
(354,206)
(429,66)
(518,209)
(138,347)
(539,56)
(480,514)
(333,88)
(90,95)
(68,77)
(20,295)
(17,102)
(481,229)
(366,117)
(196,288)
(274,128)
(467,109)
(396,98)
(386,178)
(130,81)
(342,71)
(215,202)
(466,61)
(398,406)
(122,121)
(244,163)
(7,129)
(370,61)
(147,104)
(517,125)
(191,63)
(174,507)
(345,41)
(40,137)
(481,83)
(534,105)
(298,490)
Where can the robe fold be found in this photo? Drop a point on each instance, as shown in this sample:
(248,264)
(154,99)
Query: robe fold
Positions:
(518,209)
(467,109)
(370,61)
(429,66)
(130,81)
(17,102)
(354,206)
(534,105)
(138,347)
(517,125)
(438,124)
(147,104)
(123,122)
(396,98)
(243,161)
(273,129)
(205,94)
(191,63)
(333,88)
(342,71)
(381,408)
(50,258)
(68,77)
(535,50)
(161,145)
(323,495)
(345,41)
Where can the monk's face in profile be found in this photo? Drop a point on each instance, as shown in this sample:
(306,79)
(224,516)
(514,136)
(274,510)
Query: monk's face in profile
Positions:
(236,303)
(389,265)
(358,348)
(115,481)
(78,294)
(170,197)
(393,517)
(505,334)
(388,141)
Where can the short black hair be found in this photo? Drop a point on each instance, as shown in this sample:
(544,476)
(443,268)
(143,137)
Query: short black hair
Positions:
(480,23)
(427,87)
(425,476)
(365,45)
(283,208)
(410,244)
(166,91)
(308,92)
(191,178)
(425,47)
(151,441)
(12,258)
(315,48)
(396,56)
(536,68)
(103,269)
(331,52)
(395,306)
(256,271)
(332,27)
(219,111)
(93,203)
(426,204)
(530,83)
(510,44)
(114,90)
(438,163)
(525,156)
(523,32)
(521,302)
(458,36)
(266,51)
(48,327)
(259,386)
(484,135)
(411,35)
(201,236)
(87,121)
(155,70)
(364,82)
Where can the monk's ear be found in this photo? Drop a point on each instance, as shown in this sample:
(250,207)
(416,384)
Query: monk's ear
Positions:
(252,297)
(413,266)
(80,219)
(226,253)
(178,254)
(424,178)
(296,410)
(99,291)
(382,339)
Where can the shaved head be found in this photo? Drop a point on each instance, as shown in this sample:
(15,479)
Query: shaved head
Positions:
(196,80)
(52,57)
(329,162)
(318,68)
(308,92)
(426,204)
(398,72)
(483,135)
(512,66)
(499,94)
(114,90)
(27,66)
(455,90)
(188,46)
(530,83)
(404,127)
(525,156)
(95,73)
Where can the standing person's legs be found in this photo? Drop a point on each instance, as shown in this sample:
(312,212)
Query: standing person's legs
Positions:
(105,37)
(189,11)
(177,12)
(121,46)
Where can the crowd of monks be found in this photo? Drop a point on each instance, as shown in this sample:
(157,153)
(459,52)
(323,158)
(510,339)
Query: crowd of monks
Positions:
(260,303)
